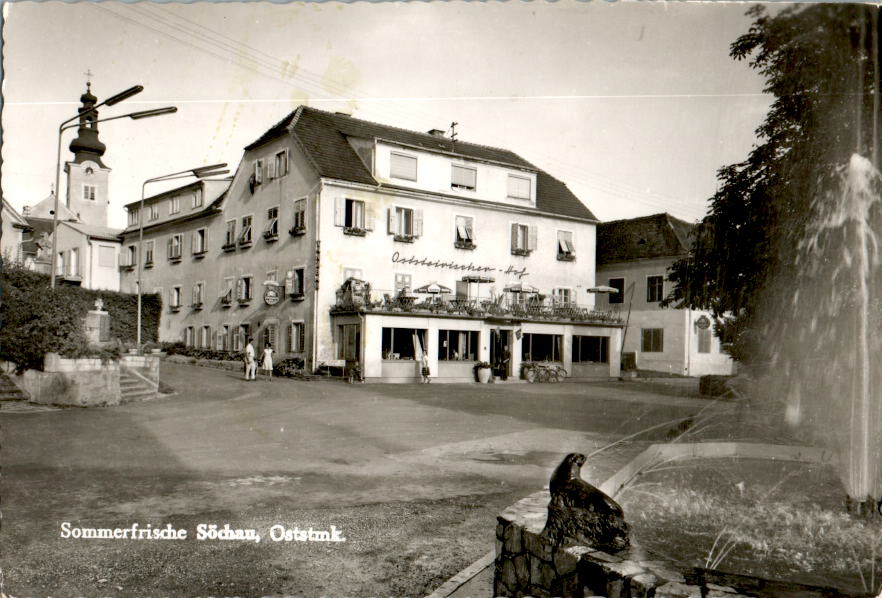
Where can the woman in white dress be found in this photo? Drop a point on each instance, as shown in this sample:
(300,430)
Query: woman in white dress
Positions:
(266,361)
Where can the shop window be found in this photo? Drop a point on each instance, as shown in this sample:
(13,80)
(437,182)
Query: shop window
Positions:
(619,285)
(403,343)
(654,288)
(542,347)
(458,345)
(590,349)
(653,340)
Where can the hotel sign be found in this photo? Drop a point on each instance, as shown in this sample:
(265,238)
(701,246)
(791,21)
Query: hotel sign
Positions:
(397,258)
(271,295)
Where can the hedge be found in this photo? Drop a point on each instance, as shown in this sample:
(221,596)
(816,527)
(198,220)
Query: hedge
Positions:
(35,319)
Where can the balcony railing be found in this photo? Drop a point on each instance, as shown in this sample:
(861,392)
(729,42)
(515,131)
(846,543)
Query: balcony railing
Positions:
(508,306)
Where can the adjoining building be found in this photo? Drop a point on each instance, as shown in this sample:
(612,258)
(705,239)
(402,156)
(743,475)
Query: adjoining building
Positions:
(343,242)
(15,232)
(633,256)
(87,250)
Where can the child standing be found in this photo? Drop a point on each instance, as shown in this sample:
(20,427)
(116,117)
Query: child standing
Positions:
(425,369)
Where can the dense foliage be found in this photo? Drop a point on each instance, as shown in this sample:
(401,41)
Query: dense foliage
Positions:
(35,319)
(819,64)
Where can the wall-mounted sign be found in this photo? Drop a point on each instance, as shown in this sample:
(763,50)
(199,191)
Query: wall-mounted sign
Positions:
(703,323)
(470,267)
(272,295)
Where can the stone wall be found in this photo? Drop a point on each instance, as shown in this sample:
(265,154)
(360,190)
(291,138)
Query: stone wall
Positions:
(527,564)
(84,382)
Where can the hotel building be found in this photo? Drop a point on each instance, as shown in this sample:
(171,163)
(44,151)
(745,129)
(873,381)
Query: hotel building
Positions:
(340,241)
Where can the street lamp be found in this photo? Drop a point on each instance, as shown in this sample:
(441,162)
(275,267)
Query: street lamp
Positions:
(200,172)
(112,100)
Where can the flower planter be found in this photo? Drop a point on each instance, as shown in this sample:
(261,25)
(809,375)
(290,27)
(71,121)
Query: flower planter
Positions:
(483,375)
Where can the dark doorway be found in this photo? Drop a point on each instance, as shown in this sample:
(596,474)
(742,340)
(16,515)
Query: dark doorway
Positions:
(500,353)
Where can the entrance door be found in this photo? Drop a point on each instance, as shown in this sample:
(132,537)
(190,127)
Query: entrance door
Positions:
(500,353)
(350,342)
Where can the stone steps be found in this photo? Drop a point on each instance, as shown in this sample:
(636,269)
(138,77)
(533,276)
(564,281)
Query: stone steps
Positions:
(133,388)
(9,391)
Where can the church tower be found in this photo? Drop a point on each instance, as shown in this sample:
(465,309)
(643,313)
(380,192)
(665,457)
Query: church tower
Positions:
(87,176)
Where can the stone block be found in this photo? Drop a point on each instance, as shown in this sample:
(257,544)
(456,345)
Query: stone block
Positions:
(625,568)
(541,574)
(643,585)
(522,569)
(666,573)
(616,588)
(512,539)
(500,528)
(538,545)
(499,547)
(674,589)
(508,575)
(570,586)
(602,557)
(566,560)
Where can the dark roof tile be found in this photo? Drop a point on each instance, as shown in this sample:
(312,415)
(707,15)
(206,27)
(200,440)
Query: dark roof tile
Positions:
(659,235)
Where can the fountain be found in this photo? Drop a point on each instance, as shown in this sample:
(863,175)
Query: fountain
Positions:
(827,347)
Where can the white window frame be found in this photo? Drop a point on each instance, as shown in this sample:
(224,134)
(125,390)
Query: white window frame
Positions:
(460,186)
(249,229)
(90,192)
(134,214)
(509,190)
(298,327)
(464,234)
(198,297)
(73,262)
(197,198)
(280,160)
(148,252)
(175,297)
(566,247)
(299,218)
(154,212)
(399,278)
(404,176)
(200,247)
(230,239)
(661,292)
(174,205)
(180,246)
(272,275)
(272,223)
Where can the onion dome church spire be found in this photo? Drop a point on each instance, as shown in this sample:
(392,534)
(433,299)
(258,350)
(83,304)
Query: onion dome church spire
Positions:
(87,146)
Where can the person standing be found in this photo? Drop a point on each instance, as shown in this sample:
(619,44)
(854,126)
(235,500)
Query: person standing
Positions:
(424,370)
(250,364)
(266,361)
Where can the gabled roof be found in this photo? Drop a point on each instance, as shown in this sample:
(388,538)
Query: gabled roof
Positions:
(659,235)
(46,206)
(324,137)
(13,215)
(96,232)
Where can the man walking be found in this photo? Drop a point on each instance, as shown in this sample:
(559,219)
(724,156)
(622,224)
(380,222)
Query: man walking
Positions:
(250,363)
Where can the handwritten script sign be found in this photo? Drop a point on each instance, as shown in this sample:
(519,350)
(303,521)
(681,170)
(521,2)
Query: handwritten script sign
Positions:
(397,258)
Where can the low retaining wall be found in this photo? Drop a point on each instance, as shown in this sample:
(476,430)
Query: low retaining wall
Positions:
(527,564)
(84,382)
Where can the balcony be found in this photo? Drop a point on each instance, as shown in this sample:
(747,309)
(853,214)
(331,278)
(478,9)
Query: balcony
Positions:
(509,306)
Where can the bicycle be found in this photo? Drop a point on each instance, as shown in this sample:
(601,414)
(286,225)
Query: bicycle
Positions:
(543,372)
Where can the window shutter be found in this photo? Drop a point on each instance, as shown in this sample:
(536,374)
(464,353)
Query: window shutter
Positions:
(417,223)
(392,221)
(271,170)
(339,211)
(369,216)
(470,229)
(240,289)
(258,171)
(531,240)
(168,247)
(289,282)
(514,237)
(301,337)
(289,334)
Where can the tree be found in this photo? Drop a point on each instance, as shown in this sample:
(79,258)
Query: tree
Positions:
(820,63)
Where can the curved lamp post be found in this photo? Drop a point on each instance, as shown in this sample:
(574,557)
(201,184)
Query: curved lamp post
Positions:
(199,172)
(115,99)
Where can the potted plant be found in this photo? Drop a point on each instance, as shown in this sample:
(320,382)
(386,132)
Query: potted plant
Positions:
(482,372)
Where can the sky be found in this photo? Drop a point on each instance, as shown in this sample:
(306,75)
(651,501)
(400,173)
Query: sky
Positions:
(633,105)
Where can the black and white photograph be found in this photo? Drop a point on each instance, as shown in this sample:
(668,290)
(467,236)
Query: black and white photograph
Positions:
(444,299)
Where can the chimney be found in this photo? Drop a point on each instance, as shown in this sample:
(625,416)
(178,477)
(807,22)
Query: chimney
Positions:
(26,211)
(437,132)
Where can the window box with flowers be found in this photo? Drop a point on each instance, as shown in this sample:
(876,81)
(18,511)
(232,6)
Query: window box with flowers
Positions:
(403,238)
(227,298)
(197,305)
(464,244)
(174,308)
(522,252)
(296,231)
(270,236)
(566,257)
(355,231)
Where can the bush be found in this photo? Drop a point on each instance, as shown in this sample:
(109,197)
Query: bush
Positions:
(289,367)
(179,348)
(713,386)
(35,319)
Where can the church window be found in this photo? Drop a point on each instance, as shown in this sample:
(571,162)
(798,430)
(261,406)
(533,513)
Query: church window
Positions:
(89,192)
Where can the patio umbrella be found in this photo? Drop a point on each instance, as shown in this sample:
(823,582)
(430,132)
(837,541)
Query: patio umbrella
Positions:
(433,288)
(603,289)
(520,287)
(478,279)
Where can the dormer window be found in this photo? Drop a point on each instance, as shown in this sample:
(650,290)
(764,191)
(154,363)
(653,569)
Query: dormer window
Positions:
(519,187)
(197,199)
(463,177)
(154,212)
(133,216)
(403,166)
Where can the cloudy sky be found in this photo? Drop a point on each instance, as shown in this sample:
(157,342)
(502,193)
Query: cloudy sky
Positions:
(634,105)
